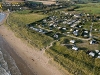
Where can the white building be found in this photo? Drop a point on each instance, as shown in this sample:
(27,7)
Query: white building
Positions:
(98,57)
(75,48)
(92,54)
(72,41)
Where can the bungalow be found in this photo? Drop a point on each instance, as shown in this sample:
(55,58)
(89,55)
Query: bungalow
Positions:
(98,56)
(73,25)
(72,41)
(56,36)
(76,16)
(92,54)
(97,51)
(93,41)
(75,48)
(64,22)
(85,33)
(75,32)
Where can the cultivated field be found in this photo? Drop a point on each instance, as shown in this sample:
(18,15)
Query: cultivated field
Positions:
(93,8)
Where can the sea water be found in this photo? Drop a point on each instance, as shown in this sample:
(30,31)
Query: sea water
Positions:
(7,64)
(2,16)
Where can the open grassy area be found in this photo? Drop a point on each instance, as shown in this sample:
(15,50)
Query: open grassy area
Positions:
(93,8)
(18,23)
(76,62)
(27,18)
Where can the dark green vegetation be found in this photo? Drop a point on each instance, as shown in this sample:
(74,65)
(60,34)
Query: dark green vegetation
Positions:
(18,23)
(76,62)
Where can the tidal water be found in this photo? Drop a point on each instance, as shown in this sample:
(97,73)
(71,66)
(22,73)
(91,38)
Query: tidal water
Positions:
(10,62)
(2,16)
(7,64)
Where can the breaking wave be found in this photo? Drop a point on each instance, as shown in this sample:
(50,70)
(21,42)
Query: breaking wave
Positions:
(7,64)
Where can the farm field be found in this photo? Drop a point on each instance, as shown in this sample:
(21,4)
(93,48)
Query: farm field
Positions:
(92,8)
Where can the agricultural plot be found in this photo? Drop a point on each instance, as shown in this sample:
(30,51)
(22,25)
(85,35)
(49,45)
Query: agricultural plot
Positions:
(92,8)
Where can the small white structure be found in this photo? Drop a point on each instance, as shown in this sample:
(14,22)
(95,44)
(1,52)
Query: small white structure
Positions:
(92,41)
(98,57)
(75,32)
(75,48)
(56,36)
(72,41)
(64,28)
(92,54)
(97,51)
(71,29)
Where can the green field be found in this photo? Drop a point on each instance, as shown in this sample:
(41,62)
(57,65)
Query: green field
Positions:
(18,23)
(26,18)
(93,8)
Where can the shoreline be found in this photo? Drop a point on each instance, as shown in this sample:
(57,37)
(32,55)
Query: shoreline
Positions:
(35,59)
(22,66)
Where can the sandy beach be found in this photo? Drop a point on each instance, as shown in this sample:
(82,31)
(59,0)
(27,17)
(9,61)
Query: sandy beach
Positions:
(22,66)
(35,59)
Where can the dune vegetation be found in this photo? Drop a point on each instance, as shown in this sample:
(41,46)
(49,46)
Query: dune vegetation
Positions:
(18,23)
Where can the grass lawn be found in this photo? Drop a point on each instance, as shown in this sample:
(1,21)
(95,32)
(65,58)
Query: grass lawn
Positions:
(93,8)
(27,18)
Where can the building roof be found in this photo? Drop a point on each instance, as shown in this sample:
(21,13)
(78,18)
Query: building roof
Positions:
(75,48)
(98,57)
(72,41)
(92,54)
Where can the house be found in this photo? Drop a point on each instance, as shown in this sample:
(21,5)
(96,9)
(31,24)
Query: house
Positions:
(98,56)
(92,54)
(97,51)
(76,16)
(85,33)
(93,41)
(56,36)
(75,32)
(73,25)
(75,48)
(72,41)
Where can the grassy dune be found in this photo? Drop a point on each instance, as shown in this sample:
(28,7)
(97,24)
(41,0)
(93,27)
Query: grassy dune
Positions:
(17,22)
(27,18)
